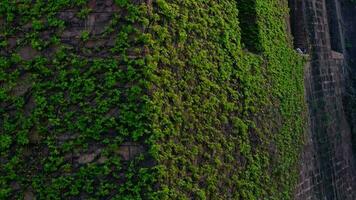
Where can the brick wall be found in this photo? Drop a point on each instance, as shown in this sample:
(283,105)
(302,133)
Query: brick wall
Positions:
(326,170)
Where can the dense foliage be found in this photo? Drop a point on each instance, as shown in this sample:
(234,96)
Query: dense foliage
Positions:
(216,121)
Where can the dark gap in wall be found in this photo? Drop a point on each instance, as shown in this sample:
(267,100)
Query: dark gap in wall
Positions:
(298,24)
(333,21)
(248,24)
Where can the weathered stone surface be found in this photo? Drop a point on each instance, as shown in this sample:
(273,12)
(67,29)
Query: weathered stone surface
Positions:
(28,53)
(89,157)
(29,195)
(326,169)
(129,150)
(102,159)
(124,152)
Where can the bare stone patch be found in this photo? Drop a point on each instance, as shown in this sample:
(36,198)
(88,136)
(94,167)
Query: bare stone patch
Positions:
(124,152)
(29,195)
(87,158)
(130,150)
(28,53)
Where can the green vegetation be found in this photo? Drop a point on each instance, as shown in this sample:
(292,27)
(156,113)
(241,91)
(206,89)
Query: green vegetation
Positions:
(217,121)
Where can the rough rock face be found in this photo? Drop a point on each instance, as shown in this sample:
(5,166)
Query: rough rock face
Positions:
(327,164)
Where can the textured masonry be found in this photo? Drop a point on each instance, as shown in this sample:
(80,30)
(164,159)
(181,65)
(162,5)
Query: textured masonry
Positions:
(327,169)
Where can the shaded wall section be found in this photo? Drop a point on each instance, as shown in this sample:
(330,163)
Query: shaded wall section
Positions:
(69,126)
(348,25)
(327,170)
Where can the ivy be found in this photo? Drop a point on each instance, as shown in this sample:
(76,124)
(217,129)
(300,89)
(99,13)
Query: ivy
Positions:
(215,120)
(220,109)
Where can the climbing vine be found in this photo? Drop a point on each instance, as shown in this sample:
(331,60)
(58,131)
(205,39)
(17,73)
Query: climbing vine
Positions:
(173,77)
(67,104)
(228,124)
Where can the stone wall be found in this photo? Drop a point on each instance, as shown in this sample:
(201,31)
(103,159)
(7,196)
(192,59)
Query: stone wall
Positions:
(90,37)
(98,45)
(327,169)
(348,27)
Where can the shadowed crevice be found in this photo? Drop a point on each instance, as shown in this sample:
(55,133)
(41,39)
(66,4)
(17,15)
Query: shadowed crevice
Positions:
(248,23)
